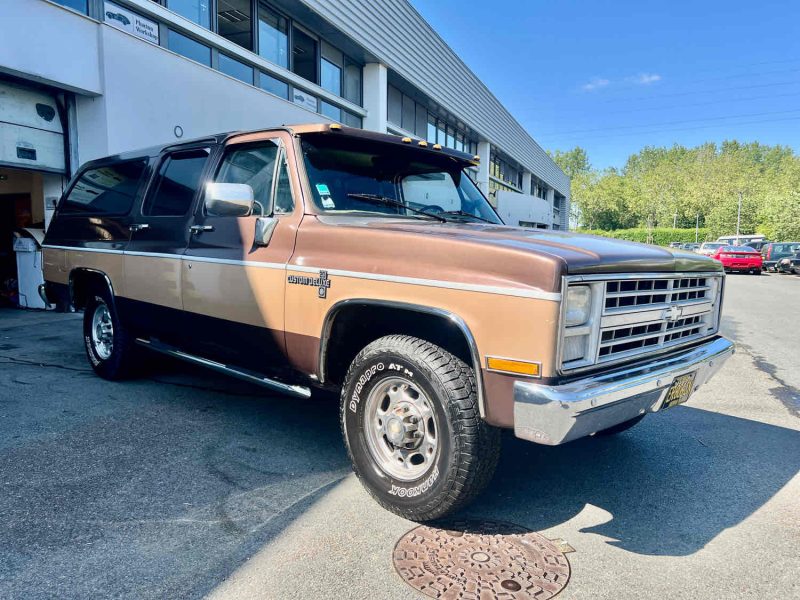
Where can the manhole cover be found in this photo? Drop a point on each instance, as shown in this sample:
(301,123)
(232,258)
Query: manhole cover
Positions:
(479,560)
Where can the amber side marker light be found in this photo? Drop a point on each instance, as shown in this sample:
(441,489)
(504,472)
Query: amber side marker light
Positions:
(517,367)
(335,127)
(406,140)
(437,146)
(423,143)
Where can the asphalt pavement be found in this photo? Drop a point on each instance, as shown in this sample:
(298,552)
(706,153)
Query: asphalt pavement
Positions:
(186,484)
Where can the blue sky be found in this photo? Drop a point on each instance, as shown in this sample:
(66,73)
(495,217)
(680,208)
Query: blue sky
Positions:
(615,76)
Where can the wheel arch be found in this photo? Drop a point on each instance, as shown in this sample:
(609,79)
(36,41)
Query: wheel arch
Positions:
(80,281)
(430,323)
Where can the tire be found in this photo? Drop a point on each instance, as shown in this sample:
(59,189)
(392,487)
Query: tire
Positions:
(446,463)
(110,349)
(621,426)
(756,272)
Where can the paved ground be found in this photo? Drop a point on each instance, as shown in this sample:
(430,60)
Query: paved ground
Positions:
(184,484)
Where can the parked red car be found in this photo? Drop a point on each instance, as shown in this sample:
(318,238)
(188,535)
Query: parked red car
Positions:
(739,258)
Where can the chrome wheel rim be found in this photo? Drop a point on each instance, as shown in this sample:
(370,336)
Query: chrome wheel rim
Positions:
(402,432)
(102,332)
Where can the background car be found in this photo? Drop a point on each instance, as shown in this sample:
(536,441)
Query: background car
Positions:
(790,264)
(709,248)
(692,247)
(674,244)
(757,245)
(739,258)
(773,252)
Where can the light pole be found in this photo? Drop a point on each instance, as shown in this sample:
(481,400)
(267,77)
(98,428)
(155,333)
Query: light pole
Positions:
(675,221)
(738,216)
(696,227)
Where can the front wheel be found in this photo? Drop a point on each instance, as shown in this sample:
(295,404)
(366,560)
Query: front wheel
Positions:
(412,428)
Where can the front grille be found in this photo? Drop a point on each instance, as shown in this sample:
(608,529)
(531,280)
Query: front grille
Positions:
(638,315)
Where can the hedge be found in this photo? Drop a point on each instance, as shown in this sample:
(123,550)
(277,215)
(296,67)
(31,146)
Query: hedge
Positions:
(662,236)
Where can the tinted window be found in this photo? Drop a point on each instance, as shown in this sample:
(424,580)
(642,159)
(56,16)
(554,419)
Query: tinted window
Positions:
(189,48)
(234,68)
(105,190)
(284,202)
(253,166)
(177,183)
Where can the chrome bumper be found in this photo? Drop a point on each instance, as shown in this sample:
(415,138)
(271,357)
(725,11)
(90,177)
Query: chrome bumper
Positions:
(554,415)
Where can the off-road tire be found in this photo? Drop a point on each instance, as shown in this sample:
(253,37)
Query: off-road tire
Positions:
(619,428)
(468,448)
(125,357)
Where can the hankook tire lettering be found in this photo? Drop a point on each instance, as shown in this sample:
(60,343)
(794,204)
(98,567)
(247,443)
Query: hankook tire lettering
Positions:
(410,492)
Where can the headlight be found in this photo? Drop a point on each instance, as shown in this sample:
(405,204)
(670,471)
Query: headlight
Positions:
(579,305)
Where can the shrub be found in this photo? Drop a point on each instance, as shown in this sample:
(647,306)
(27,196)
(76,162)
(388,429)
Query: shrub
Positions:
(662,236)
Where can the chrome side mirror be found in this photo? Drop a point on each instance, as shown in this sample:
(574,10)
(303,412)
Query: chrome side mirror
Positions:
(265,226)
(229,199)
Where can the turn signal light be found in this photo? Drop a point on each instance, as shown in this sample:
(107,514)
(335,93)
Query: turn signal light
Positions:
(517,367)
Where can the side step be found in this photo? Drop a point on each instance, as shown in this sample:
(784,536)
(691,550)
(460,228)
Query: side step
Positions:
(276,386)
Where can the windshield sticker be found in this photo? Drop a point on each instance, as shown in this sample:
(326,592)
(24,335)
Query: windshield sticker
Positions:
(325,196)
(327,202)
(323,189)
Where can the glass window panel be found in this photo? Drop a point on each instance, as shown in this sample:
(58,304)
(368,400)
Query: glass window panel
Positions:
(177,184)
(254,166)
(304,55)
(441,136)
(274,86)
(351,120)
(330,111)
(431,130)
(352,82)
(189,48)
(395,99)
(331,54)
(451,139)
(409,114)
(235,21)
(284,201)
(273,36)
(422,122)
(331,77)
(79,5)
(194,10)
(106,190)
(234,68)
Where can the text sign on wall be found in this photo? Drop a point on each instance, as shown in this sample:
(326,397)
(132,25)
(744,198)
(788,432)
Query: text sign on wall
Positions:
(304,99)
(129,21)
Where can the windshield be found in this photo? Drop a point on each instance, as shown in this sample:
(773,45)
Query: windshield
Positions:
(355,175)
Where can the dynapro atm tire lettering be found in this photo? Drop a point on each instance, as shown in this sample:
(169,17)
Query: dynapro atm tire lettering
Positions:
(365,377)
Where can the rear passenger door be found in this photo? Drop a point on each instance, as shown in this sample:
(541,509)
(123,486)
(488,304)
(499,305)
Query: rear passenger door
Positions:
(233,288)
(159,236)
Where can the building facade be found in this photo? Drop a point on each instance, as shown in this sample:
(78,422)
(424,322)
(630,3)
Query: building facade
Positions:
(80,79)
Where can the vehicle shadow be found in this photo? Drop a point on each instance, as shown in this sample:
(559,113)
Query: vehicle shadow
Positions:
(671,484)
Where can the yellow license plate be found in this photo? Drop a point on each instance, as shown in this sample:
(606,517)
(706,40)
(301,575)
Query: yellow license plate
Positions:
(680,390)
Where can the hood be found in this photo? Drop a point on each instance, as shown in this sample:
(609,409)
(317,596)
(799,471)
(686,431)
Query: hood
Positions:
(577,253)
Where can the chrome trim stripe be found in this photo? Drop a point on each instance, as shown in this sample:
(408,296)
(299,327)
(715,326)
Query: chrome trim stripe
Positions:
(451,285)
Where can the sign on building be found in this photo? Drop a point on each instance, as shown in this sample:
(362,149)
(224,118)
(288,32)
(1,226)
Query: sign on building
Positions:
(129,21)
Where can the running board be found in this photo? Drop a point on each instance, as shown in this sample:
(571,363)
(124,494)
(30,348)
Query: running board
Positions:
(276,386)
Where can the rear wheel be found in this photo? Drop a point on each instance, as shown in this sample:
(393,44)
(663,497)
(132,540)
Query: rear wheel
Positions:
(410,421)
(109,346)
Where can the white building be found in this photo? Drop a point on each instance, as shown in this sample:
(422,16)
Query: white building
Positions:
(80,79)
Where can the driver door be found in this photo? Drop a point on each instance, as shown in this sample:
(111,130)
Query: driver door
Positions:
(233,286)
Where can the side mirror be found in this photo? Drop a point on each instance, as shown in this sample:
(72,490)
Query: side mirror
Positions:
(229,199)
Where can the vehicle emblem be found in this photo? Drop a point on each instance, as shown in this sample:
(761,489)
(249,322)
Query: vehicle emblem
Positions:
(673,313)
(322,283)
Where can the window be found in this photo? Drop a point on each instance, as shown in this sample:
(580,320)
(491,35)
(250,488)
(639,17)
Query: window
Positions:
(304,55)
(431,130)
(351,120)
(177,183)
(79,5)
(108,190)
(235,22)
(253,166)
(273,36)
(234,68)
(194,10)
(284,201)
(352,81)
(189,48)
(395,108)
(274,86)
(330,111)
(409,114)
(331,64)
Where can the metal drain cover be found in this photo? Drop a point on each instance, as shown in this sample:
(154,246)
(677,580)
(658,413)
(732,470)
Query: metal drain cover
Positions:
(479,560)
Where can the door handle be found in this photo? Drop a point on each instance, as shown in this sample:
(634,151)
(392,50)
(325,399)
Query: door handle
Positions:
(139,226)
(201,228)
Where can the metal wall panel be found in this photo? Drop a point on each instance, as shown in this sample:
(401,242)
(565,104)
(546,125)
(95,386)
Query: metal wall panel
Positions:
(399,37)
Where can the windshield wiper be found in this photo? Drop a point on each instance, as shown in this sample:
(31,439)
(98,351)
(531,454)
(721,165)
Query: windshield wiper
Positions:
(462,213)
(386,201)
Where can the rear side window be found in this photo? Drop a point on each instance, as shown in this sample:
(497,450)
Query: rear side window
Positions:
(108,190)
(176,185)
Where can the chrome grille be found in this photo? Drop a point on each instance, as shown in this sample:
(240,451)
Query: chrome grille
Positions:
(641,314)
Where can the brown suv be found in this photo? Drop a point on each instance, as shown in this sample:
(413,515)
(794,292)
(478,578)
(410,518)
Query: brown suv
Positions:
(321,256)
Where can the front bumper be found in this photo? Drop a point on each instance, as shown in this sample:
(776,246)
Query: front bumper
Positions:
(554,415)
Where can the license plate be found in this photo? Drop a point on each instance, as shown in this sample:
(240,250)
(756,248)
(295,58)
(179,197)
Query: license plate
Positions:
(680,390)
